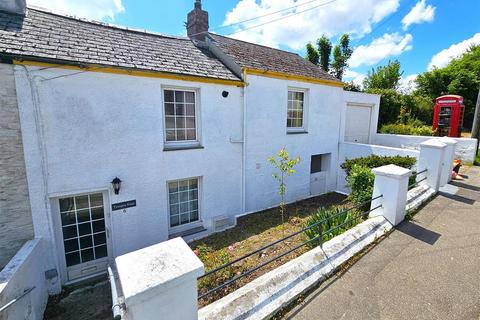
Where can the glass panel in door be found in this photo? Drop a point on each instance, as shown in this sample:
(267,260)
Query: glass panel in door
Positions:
(84,234)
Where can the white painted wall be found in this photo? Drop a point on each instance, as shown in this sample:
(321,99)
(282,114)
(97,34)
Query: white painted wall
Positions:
(266,134)
(464,149)
(24,271)
(350,150)
(95,126)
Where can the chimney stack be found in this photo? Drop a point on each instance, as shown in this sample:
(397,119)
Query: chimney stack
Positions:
(197,22)
(14,6)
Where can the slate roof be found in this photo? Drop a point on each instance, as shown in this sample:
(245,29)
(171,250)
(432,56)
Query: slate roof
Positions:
(50,36)
(260,57)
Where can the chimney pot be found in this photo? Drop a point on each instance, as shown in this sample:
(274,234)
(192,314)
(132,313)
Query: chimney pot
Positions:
(14,6)
(197,22)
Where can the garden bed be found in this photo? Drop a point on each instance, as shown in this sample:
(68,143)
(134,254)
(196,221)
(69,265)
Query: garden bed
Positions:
(252,232)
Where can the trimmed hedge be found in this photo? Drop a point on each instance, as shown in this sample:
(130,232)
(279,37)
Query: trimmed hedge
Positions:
(375,161)
(399,128)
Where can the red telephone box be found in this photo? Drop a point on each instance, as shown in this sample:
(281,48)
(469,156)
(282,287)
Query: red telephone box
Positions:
(448,116)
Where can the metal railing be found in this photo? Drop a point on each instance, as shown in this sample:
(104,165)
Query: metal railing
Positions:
(11,302)
(318,238)
(417,182)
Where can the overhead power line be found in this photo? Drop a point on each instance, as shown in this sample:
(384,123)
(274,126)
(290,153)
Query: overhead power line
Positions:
(284,17)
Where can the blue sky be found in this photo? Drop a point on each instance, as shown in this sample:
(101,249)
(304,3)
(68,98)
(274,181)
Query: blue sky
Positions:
(432,32)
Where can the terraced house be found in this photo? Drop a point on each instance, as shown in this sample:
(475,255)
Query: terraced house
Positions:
(115,139)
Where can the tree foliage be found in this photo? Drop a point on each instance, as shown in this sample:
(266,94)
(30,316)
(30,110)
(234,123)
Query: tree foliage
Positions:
(284,165)
(384,77)
(461,76)
(324,50)
(321,55)
(312,54)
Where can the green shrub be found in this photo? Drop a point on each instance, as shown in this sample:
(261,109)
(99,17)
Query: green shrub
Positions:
(327,219)
(407,129)
(360,180)
(375,161)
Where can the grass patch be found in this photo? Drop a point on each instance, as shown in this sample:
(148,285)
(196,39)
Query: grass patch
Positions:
(252,232)
(477,160)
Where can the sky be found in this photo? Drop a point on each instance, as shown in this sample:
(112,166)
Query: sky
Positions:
(421,34)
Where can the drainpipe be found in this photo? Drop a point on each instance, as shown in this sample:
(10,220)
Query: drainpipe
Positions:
(244,147)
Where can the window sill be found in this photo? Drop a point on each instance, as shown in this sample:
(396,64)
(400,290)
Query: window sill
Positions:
(297,132)
(188,232)
(182,147)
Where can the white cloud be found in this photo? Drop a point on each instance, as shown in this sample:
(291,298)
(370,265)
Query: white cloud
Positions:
(442,58)
(343,16)
(389,45)
(90,9)
(354,76)
(407,84)
(419,14)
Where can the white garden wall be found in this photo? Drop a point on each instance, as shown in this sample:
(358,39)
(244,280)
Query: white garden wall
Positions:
(350,150)
(465,148)
(25,271)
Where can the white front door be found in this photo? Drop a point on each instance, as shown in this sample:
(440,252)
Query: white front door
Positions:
(85,238)
(357,123)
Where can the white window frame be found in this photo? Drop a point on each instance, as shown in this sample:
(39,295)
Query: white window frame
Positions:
(184,143)
(190,225)
(303,128)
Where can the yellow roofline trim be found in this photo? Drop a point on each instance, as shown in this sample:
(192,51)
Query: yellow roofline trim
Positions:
(137,73)
(288,76)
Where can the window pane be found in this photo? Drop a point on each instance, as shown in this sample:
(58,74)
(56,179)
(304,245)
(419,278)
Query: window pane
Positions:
(193,183)
(100,252)
(190,109)
(171,135)
(96,200)
(99,238)
(173,186)
(98,226)
(183,185)
(184,196)
(169,109)
(191,134)
(69,232)
(184,218)
(72,258)
(66,204)
(173,198)
(174,221)
(81,202)
(168,95)
(194,216)
(180,109)
(190,123)
(97,213)
(193,195)
(290,95)
(174,209)
(87,255)
(180,122)
(68,218)
(179,96)
(181,135)
(84,229)
(192,205)
(170,122)
(289,123)
(190,97)
(184,207)
(71,245)
(86,242)
(83,215)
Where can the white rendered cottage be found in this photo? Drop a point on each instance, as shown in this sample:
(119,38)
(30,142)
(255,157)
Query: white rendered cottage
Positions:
(186,124)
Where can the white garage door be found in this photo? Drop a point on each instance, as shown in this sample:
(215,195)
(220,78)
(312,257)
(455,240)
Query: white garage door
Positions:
(357,124)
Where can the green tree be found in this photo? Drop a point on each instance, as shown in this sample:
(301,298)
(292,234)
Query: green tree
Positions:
(461,76)
(384,77)
(352,86)
(284,165)
(341,53)
(324,50)
(312,54)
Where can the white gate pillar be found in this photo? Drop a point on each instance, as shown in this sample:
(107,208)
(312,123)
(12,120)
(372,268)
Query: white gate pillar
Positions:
(160,282)
(446,175)
(391,182)
(432,158)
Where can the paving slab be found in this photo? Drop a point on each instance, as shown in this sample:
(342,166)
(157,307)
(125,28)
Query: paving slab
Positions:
(428,268)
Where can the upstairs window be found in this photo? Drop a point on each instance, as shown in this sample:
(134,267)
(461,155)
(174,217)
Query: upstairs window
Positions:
(180,115)
(295,110)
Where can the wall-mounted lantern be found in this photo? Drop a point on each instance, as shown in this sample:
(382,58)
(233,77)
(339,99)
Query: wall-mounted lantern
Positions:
(116,185)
